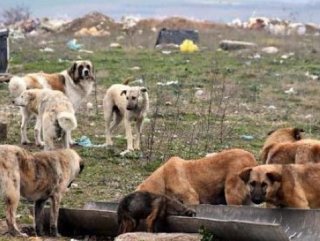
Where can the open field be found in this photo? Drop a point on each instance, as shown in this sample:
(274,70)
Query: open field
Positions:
(240,95)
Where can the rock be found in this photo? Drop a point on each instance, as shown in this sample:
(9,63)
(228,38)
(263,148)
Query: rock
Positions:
(158,237)
(234,45)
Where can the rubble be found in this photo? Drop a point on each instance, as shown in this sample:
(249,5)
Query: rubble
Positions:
(234,45)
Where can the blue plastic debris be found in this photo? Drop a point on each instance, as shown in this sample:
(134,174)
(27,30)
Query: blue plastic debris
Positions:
(86,142)
(73,45)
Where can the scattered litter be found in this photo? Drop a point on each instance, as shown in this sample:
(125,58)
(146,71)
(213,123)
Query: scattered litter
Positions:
(173,82)
(290,91)
(312,76)
(121,37)
(309,116)
(123,153)
(286,56)
(86,51)
(63,60)
(93,31)
(115,45)
(234,45)
(168,103)
(146,120)
(272,107)
(270,50)
(166,52)
(74,185)
(86,142)
(188,46)
(256,56)
(73,45)
(201,94)
(137,81)
(247,137)
(47,50)
(135,68)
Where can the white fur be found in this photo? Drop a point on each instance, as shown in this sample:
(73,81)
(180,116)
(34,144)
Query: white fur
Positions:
(67,121)
(16,86)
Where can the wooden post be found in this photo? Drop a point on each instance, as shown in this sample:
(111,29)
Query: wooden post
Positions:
(3,131)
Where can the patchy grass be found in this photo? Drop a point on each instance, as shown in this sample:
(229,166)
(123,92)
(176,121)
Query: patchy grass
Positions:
(236,95)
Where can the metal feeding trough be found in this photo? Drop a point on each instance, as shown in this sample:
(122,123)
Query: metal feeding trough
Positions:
(231,223)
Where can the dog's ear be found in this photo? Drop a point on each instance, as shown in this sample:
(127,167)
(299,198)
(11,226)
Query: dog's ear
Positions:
(32,96)
(270,132)
(274,176)
(245,174)
(144,89)
(124,92)
(72,69)
(297,133)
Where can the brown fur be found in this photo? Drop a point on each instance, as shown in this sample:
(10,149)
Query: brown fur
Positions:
(302,151)
(152,207)
(32,82)
(212,179)
(278,136)
(284,185)
(38,177)
(56,81)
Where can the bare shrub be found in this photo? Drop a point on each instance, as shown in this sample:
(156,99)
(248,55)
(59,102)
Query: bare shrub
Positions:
(15,14)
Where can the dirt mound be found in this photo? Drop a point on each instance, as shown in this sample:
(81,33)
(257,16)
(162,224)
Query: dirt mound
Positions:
(176,23)
(93,19)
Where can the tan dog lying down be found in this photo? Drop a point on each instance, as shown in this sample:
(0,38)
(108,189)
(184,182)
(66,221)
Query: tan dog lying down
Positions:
(214,179)
(284,185)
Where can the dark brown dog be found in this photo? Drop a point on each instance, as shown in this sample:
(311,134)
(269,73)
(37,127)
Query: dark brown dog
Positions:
(213,179)
(284,185)
(282,135)
(152,207)
(38,177)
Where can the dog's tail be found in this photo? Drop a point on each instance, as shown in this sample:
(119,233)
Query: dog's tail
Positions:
(67,121)
(126,223)
(16,86)
(128,80)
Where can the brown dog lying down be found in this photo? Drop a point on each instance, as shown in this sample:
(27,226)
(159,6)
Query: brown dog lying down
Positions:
(284,185)
(282,135)
(152,207)
(213,179)
(38,177)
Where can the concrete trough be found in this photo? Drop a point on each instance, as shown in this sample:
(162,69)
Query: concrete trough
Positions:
(231,223)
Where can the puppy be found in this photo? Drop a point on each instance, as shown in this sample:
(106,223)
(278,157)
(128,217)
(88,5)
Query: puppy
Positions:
(284,185)
(38,177)
(76,83)
(279,136)
(56,116)
(130,104)
(152,207)
(213,180)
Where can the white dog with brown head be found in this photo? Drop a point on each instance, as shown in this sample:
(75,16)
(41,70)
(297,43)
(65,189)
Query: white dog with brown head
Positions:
(76,83)
(129,103)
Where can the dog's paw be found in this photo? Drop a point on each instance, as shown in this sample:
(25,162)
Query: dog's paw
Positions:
(25,142)
(40,144)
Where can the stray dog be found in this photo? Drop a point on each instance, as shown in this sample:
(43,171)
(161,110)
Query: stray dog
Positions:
(214,179)
(55,118)
(38,177)
(76,83)
(292,185)
(130,104)
(152,207)
(279,136)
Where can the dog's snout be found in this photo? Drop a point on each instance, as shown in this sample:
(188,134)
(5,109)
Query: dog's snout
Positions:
(13,102)
(257,200)
(86,72)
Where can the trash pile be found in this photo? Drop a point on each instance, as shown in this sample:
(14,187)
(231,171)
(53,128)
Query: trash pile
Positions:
(277,26)
(92,24)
